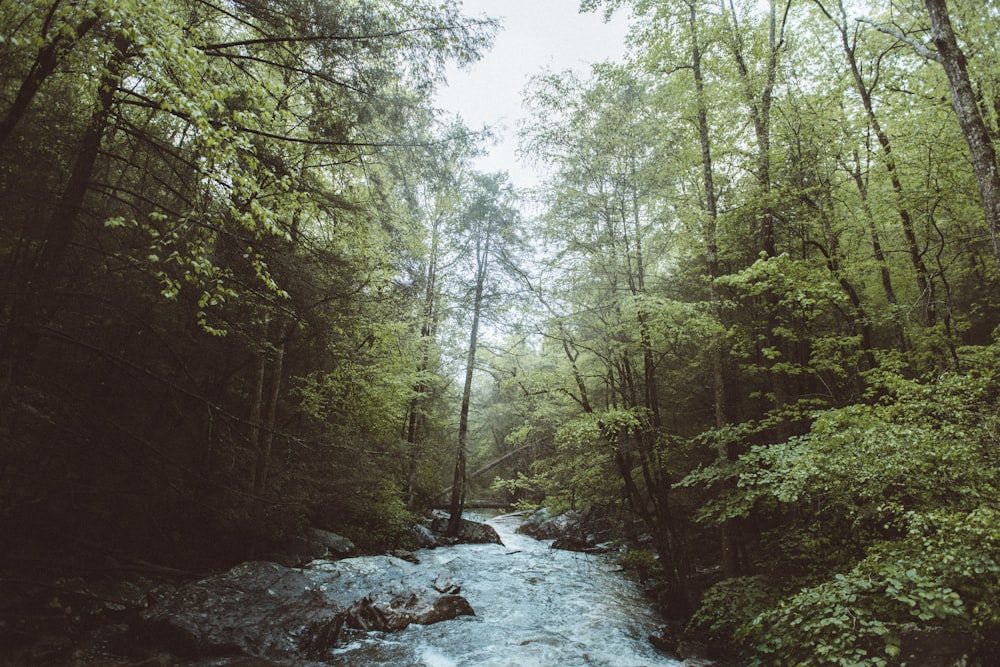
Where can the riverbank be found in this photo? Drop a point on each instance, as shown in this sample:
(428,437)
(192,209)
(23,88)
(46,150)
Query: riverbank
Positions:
(528,604)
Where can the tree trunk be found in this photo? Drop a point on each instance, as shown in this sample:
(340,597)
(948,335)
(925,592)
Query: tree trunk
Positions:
(27,309)
(925,285)
(760,102)
(727,538)
(67,209)
(427,328)
(981,149)
(46,61)
(883,265)
(458,482)
(266,416)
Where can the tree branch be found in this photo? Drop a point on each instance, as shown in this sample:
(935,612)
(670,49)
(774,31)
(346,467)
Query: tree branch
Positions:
(919,47)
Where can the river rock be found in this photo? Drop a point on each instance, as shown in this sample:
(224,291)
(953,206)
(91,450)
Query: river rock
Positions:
(567,524)
(530,525)
(445,585)
(423,537)
(296,551)
(469,532)
(263,609)
(338,545)
(401,611)
(259,609)
(573,543)
(406,554)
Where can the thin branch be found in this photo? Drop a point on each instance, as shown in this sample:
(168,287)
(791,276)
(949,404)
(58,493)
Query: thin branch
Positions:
(341,38)
(919,47)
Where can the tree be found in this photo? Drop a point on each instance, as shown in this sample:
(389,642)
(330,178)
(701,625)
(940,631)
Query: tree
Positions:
(434,198)
(984,159)
(608,230)
(925,285)
(204,247)
(490,225)
(902,548)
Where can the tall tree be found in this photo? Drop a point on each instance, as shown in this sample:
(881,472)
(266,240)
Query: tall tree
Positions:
(198,206)
(865,90)
(981,149)
(490,220)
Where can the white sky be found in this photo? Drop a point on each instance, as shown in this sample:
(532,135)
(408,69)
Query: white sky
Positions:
(535,35)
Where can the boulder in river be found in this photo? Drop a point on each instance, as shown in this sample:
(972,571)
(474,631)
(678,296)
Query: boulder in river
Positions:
(401,611)
(469,532)
(573,543)
(264,609)
(338,545)
(297,550)
(594,524)
(567,524)
(530,525)
(423,537)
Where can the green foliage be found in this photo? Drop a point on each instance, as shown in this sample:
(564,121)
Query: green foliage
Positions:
(276,176)
(822,625)
(901,483)
(941,574)
(229,326)
(373,515)
(518,487)
(730,605)
(364,395)
(583,470)
(639,560)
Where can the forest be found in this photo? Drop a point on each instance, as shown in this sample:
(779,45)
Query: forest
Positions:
(251,282)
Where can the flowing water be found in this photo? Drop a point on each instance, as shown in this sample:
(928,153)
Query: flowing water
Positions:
(535,606)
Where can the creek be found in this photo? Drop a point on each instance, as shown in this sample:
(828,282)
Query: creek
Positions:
(535,606)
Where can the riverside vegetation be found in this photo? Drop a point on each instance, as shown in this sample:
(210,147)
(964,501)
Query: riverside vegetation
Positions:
(251,286)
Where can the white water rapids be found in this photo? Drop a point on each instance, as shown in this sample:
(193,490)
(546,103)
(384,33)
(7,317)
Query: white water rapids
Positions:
(535,607)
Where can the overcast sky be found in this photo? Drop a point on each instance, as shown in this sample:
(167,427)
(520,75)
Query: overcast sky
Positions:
(536,34)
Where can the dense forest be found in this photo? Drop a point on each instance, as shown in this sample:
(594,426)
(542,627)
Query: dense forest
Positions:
(250,281)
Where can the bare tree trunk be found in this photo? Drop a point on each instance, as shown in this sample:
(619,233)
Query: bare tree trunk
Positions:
(730,565)
(46,61)
(257,415)
(458,482)
(267,415)
(925,285)
(984,160)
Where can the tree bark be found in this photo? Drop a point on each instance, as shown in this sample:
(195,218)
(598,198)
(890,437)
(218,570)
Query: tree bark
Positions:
(427,329)
(27,309)
(67,209)
(266,411)
(730,566)
(759,101)
(977,136)
(458,482)
(46,61)
(883,265)
(925,285)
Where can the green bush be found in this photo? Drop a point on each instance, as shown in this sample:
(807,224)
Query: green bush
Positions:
(896,501)
(373,516)
(730,606)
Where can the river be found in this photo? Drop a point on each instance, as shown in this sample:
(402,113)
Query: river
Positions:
(535,606)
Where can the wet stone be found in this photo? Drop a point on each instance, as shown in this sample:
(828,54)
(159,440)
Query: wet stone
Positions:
(267,610)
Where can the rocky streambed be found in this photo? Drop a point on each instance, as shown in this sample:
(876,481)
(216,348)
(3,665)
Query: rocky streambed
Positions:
(496,598)
(257,613)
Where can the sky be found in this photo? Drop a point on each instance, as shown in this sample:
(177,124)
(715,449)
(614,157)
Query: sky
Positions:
(535,35)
